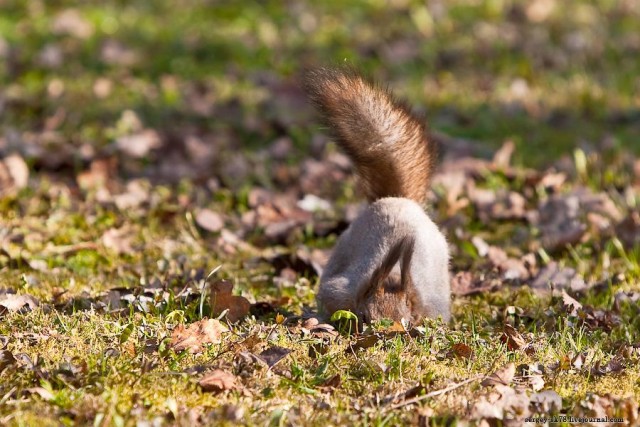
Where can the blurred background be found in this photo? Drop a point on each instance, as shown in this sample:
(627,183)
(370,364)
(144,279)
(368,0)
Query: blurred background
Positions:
(210,89)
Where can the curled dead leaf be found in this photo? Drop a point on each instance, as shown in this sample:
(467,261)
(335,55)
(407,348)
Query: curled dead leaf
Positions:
(462,351)
(221,299)
(310,322)
(217,381)
(615,365)
(573,306)
(509,268)
(273,355)
(246,363)
(502,376)
(14,302)
(501,204)
(552,181)
(198,334)
(512,338)
(324,330)
(536,382)
(609,406)
(278,216)
(365,341)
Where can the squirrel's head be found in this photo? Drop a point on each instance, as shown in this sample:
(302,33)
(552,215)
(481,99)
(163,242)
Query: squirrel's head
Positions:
(389,301)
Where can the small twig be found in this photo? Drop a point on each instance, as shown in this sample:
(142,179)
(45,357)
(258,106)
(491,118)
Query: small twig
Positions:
(436,392)
(8,395)
(212,272)
(70,249)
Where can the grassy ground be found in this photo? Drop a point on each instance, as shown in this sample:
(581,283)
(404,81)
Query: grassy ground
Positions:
(134,118)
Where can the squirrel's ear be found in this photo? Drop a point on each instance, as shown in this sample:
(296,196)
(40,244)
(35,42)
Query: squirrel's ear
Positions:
(403,249)
(407,246)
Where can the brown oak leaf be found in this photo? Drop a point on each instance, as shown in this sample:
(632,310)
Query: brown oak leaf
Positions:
(193,338)
(222,299)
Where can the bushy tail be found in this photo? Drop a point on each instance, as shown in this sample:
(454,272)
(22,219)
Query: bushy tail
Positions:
(387,144)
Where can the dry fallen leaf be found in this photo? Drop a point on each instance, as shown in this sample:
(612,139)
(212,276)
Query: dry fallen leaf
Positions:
(209,220)
(512,338)
(462,351)
(17,169)
(118,240)
(13,302)
(464,283)
(365,341)
(139,144)
(221,299)
(277,215)
(573,306)
(6,359)
(136,194)
(310,322)
(552,181)
(198,334)
(501,204)
(615,365)
(217,381)
(324,330)
(609,406)
(42,392)
(502,376)
(246,364)
(273,355)
(502,403)
(331,382)
(536,382)
(562,217)
(628,230)
(558,278)
(502,157)
(102,172)
(546,402)
(510,268)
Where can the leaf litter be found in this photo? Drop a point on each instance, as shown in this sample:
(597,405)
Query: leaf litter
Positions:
(196,336)
(280,219)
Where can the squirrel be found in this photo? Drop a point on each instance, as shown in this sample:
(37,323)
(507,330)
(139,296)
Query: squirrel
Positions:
(393,261)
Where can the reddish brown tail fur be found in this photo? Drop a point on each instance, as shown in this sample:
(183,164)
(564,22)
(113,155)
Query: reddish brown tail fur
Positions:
(387,143)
